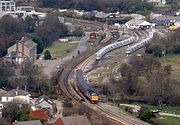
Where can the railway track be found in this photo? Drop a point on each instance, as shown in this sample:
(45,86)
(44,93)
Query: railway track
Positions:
(76,98)
(64,76)
(119,119)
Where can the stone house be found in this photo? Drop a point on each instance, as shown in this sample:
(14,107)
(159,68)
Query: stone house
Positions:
(22,50)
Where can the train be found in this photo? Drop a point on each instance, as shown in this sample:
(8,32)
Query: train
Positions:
(86,89)
(113,46)
(174,28)
(141,44)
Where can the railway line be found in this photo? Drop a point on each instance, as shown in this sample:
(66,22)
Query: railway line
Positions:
(117,118)
(70,93)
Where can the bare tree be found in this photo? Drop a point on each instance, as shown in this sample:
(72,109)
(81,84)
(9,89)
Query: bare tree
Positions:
(159,90)
(9,112)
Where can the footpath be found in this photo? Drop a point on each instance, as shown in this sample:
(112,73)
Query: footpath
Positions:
(137,108)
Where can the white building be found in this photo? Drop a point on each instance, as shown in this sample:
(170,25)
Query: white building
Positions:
(16,95)
(44,102)
(25,8)
(7,6)
(137,24)
(157,2)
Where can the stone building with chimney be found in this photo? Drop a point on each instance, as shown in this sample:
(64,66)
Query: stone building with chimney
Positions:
(21,51)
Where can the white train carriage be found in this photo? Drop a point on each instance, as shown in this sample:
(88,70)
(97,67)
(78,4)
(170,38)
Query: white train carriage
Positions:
(113,46)
(140,44)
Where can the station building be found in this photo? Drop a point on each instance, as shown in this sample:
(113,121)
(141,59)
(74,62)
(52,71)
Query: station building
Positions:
(7,5)
(137,24)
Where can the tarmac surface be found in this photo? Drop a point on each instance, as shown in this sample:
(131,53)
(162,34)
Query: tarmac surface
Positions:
(49,66)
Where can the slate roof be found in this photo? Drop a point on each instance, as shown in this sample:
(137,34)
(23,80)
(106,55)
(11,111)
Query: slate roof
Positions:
(73,120)
(135,21)
(58,122)
(166,19)
(102,15)
(45,98)
(15,92)
(2,91)
(28,42)
(33,122)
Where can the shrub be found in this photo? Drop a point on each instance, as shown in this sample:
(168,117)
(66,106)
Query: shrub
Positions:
(47,54)
(145,114)
(155,50)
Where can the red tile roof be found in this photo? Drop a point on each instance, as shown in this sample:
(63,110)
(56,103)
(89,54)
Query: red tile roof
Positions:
(39,114)
(58,122)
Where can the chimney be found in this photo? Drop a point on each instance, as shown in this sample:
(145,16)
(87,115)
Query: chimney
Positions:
(17,53)
(23,49)
(15,122)
(17,89)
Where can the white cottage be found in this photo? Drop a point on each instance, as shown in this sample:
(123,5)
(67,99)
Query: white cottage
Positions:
(16,95)
(44,102)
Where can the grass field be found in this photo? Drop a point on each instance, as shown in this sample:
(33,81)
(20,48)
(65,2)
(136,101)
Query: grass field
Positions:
(174,61)
(168,109)
(73,38)
(164,8)
(59,50)
(163,120)
(103,73)
(168,120)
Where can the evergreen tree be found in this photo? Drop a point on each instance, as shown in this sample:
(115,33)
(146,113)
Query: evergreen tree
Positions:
(145,114)
(47,54)
(39,44)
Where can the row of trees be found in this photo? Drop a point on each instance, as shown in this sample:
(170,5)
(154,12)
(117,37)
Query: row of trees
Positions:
(145,77)
(170,44)
(31,78)
(51,29)
(129,6)
(35,81)
(12,29)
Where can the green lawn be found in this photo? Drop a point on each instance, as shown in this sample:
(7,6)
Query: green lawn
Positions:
(174,61)
(168,120)
(168,109)
(73,38)
(59,50)
(164,8)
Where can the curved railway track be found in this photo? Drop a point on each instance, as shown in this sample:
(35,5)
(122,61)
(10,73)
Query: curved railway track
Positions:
(76,98)
(119,119)
(64,76)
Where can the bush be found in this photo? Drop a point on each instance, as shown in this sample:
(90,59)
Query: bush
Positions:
(155,50)
(39,45)
(145,114)
(129,109)
(67,103)
(177,48)
(47,54)
(67,111)
(22,114)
